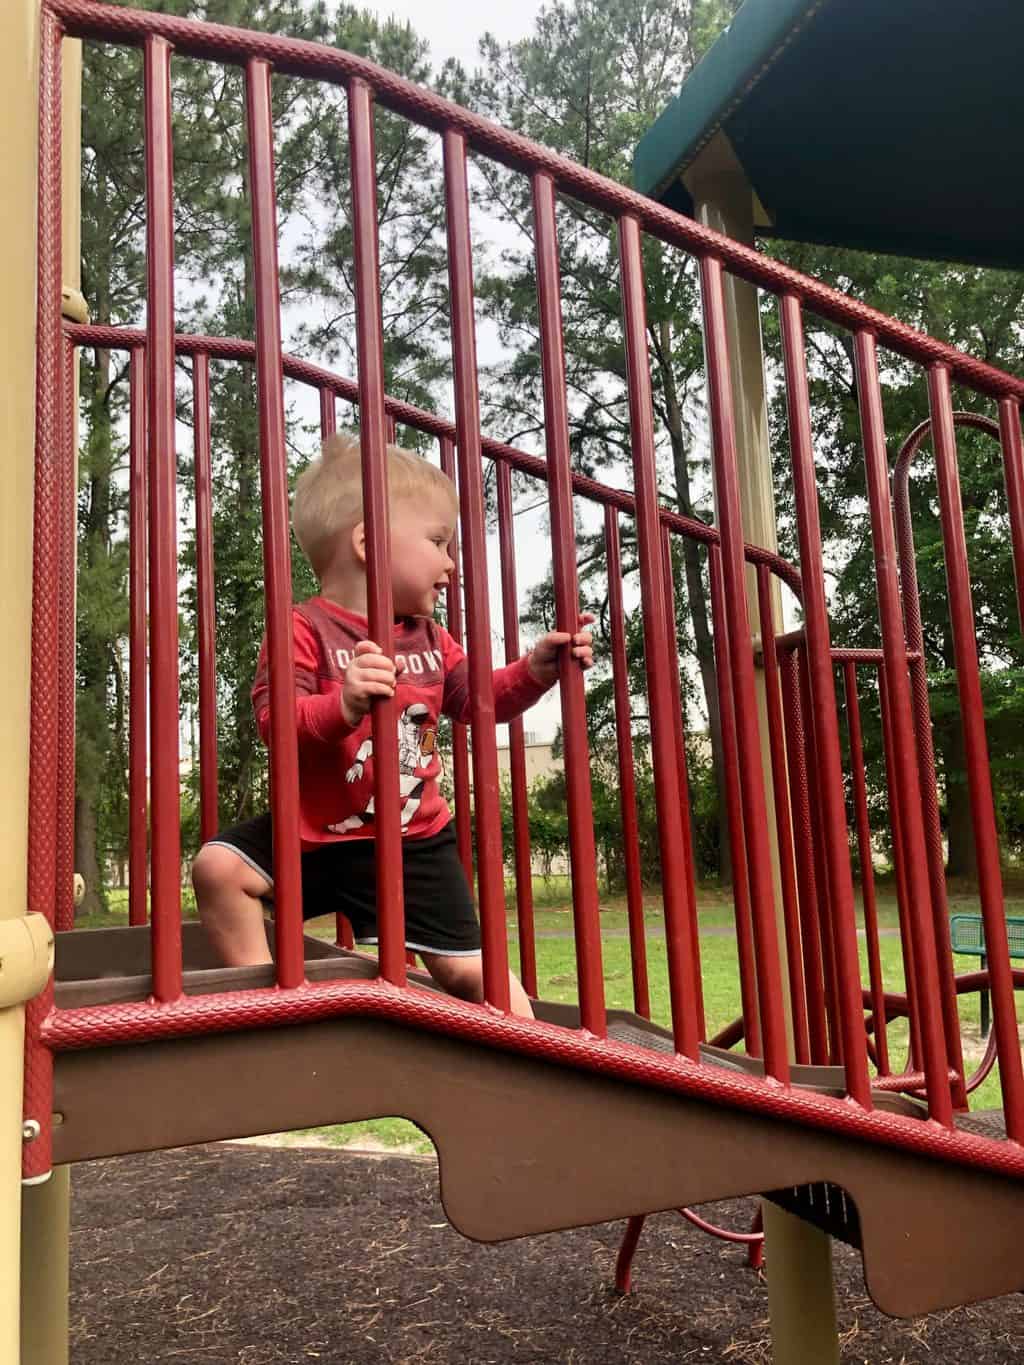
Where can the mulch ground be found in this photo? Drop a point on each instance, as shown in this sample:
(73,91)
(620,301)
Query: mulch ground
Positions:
(239,1255)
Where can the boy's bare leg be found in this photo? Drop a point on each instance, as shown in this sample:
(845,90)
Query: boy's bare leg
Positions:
(228,896)
(464,977)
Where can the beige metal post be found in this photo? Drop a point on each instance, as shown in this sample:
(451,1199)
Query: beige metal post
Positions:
(798,1257)
(19,28)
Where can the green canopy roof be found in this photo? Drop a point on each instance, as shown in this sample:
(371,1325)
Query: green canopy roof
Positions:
(892,125)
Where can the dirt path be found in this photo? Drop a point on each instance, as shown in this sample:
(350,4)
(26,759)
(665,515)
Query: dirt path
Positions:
(244,1255)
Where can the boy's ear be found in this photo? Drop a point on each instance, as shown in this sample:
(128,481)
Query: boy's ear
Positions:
(359,542)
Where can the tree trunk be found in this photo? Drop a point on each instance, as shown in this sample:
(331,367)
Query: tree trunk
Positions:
(86,861)
(962,859)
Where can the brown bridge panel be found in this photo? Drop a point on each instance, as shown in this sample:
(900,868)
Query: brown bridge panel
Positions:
(527,1146)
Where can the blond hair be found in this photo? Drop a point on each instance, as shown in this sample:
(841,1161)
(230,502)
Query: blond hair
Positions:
(328,497)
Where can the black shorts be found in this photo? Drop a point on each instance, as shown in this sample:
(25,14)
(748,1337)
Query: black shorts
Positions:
(341,876)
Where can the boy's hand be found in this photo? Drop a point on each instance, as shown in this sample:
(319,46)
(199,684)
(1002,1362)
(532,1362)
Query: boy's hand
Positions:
(370,674)
(543,657)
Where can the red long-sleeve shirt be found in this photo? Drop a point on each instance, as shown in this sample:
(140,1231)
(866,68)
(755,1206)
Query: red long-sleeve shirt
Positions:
(336,759)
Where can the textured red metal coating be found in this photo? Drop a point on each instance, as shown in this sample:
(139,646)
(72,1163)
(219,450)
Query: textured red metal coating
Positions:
(460,736)
(575,740)
(50,411)
(823,717)
(680,948)
(734,811)
(516,746)
(907,791)
(284,759)
(979,776)
(783,821)
(64,681)
(138,625)
(164,699)
(486,795)
(867,869)
(1013,473)
(752,794)
(627,777)
(206,613)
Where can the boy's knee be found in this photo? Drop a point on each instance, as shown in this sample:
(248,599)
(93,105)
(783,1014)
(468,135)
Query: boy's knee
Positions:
(217,870)
(459,976)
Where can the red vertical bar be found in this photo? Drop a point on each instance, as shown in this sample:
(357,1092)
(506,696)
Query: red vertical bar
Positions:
(138,764)
(934,842)
(680,948)
(284,760)
(807,884)
(1013,473)
(679,735)
(328,414)
(373,439)
(50,410)
(900,867)
(867,870)
(825,722)
(206,610)
(908,790)
(516,750)
(390,433)
(582,851)
(460,742)
(627,777)
(783,824)
(755,814)
(733,811)
(163,518)
(486,798)
(979,777)
(64,909)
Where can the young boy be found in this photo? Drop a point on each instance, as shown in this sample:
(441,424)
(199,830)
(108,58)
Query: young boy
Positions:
(338,673)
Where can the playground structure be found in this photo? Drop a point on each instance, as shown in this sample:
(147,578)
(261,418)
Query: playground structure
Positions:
(815,1111)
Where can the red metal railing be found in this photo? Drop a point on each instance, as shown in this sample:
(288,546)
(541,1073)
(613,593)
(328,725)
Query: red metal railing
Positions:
(808,840)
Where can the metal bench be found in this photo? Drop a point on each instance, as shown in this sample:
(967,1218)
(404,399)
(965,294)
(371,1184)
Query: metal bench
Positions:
(967,935)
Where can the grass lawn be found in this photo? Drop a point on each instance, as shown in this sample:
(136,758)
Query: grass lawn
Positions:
(556,976)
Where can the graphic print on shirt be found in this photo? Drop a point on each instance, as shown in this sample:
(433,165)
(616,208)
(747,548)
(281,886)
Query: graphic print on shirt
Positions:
(417,758)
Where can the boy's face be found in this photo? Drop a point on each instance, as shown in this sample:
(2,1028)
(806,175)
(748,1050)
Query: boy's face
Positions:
(421,532)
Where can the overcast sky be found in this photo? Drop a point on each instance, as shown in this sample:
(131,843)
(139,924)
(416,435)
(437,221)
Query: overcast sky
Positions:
(454,27)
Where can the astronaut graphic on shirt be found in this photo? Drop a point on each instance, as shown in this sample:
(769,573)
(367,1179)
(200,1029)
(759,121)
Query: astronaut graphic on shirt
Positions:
(418,756)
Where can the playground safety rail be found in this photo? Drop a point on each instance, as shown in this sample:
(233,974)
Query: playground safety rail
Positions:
(812,676)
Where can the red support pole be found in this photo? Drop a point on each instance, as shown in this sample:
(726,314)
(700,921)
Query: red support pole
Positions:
(806,871)
(680,947)
(284,760)
(867,870)
(1013,473)
(138,760)
(50,412)
(372,440)
(783,823)
(734,811)
(486,796)
(460,739)
(576,742)
(163,519)
(67,509)
(979,777)
(328,414)
(627,777)
(908,789)
(516,748)
(752,794)
(821,680)
(679,735)
(206,609)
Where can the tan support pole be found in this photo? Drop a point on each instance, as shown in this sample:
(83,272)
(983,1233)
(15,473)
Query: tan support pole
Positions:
(19,63)
(798,1258)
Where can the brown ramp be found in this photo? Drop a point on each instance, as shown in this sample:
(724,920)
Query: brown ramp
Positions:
(528,1146)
